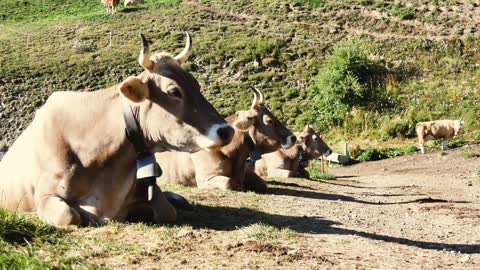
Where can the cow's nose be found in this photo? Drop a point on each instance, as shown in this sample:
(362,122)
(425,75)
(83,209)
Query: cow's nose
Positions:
(293,138)
(327,153)
(225,134)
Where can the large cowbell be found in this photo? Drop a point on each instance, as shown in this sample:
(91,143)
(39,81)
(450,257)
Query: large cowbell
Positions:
(148,169)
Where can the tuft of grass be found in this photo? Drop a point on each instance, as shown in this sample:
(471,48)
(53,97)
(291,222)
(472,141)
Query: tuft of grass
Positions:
(266,233)
(21,229)
(470,155)
(378,154)
(315,171)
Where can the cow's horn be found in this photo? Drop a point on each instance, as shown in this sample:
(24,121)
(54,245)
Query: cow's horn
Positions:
(262,99)
(255,99)
(144,58)
(183,55)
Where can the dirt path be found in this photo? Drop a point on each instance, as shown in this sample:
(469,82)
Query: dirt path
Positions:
(411,212)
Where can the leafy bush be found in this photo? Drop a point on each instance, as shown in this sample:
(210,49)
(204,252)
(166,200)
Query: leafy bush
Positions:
(348,79)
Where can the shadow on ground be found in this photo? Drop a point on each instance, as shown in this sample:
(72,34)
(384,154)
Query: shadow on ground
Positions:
(228,219)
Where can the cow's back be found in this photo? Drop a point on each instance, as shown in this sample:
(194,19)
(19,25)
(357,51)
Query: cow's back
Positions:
(439,129)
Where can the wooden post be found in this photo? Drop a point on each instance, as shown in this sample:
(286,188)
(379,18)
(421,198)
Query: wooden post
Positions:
(321,161)
(110,39)
(345,149)
(327,162)
(353,151)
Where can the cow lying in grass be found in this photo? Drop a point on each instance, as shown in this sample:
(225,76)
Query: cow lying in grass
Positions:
(435,130)
(74,164)
(255,130)
(292,162)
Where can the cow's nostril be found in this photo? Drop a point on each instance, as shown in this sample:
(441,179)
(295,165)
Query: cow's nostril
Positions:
(293,138)
(225,134)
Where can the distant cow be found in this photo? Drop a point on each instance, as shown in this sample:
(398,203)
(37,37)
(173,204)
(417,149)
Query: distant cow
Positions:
(255,130)
(132,2)
(74,165)
(111,5)
(434,130)
(292,162)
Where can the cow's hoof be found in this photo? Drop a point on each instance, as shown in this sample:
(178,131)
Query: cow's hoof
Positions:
(178,201)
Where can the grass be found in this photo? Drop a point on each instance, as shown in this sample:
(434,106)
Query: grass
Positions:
(315,171)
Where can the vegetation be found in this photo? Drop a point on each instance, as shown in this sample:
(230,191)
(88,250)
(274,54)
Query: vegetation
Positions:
(315,171)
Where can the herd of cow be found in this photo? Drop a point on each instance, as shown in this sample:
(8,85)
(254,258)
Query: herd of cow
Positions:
(78,162)
(90,157)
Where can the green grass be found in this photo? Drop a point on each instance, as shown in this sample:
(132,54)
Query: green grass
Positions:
(315,171)
(283,50)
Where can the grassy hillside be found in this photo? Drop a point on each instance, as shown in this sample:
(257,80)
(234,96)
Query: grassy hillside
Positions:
(364,70)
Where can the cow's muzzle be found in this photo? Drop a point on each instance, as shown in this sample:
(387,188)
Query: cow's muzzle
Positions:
(217,136)
(289,142)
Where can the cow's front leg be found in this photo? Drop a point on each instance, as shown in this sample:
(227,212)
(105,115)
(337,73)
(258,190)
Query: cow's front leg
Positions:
(255,183)
(421,143)
(444,144)
(282,173)
(163,210)
(54,210)
(219,181)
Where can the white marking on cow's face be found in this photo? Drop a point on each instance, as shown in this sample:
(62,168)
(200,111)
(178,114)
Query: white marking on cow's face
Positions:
(213,137)
(290,141)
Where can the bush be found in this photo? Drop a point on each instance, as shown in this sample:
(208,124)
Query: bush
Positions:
(378,154)
(348,79)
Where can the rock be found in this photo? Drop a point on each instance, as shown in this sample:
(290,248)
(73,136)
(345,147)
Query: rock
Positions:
(465,259)
(184,232)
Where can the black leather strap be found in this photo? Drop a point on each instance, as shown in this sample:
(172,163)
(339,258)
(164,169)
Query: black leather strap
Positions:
(132,133)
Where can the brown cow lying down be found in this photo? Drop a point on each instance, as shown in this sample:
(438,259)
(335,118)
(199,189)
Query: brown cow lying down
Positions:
(440,129)
(256,129)
(292,162)
(74,165)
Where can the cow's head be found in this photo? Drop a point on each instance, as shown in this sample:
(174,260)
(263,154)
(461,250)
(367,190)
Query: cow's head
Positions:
(267,133)
(313,144)
(167,103)
(457,126)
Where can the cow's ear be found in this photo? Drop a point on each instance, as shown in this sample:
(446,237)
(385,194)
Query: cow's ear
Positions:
(134,89)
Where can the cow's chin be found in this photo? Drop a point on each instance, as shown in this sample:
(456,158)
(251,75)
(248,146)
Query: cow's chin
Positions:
(288,145)
(208,144)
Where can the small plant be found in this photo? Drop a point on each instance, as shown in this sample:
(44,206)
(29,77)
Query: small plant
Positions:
(470,155)
(404,13)
(315,171)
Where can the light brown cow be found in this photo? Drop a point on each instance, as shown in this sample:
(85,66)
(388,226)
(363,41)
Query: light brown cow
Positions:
(74,165)
(132,2)
(292,162)
(255,129)
(434,130)
(111,5)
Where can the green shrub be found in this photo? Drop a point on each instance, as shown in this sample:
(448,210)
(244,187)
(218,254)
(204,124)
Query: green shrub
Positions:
(348,79)
(404,13)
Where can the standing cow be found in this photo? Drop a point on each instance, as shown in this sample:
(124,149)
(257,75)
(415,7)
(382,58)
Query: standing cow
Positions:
(292,162)
(256,131)
(434,130)
(74,165)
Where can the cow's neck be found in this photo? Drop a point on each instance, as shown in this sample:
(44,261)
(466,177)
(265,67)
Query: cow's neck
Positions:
(104,140)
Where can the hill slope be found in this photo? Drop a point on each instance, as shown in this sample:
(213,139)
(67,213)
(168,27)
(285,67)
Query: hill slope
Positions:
(367,69)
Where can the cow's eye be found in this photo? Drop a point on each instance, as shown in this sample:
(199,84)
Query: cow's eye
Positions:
(268,121)
(174,92)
